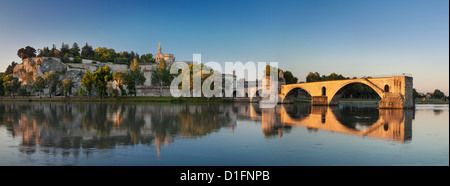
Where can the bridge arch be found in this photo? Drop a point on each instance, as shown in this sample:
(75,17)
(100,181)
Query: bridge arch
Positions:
(289,96)
(336,95)
(255,94)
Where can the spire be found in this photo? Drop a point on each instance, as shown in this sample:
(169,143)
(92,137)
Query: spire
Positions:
(159,47)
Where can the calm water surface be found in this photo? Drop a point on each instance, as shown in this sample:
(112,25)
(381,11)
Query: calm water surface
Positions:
(221,134)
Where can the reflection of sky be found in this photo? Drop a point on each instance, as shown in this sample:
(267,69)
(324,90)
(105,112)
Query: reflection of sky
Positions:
(352,37)
(432,107)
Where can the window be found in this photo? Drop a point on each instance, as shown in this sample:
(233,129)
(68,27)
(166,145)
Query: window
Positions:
(386,88)
(324,91)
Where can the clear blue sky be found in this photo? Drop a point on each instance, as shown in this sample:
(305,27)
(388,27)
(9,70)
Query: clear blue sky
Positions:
(349,37)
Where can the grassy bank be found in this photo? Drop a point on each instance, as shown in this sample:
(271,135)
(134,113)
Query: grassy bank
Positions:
(431,101)
(139,99)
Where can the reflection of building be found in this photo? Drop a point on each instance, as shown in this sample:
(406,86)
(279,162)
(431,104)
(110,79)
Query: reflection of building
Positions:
(167,57)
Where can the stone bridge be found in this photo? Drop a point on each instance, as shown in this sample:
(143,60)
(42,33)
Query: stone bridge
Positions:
(395,92)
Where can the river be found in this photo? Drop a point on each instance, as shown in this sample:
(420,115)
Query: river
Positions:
(159,134)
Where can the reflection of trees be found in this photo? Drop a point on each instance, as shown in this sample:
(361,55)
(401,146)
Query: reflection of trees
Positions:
(201,120)
(190,120)
(437,112)
(72,127)
(95,118)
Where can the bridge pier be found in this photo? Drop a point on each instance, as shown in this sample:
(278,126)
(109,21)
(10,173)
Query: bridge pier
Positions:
(319,100)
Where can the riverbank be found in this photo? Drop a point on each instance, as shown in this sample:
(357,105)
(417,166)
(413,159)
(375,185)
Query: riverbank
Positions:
(115,99)
(431,101)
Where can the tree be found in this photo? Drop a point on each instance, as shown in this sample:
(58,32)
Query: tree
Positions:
(65,58)
(415,94)
(2,89)
(269,68)
(104,54)
(134,77)
(161,76)
(39,84)
(313,77)
(52,81)
(87,81)
(26,52)
(75,50)
(147,58)
(120,77)
(11,84)
(64,50)
(55,52)
(87,52)
(290,78)
(10,68)
(101,78)
(45,52)
(77,59)
(67,86)
(438,94)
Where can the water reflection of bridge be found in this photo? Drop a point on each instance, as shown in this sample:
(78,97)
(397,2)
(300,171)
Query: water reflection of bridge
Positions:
(391,124)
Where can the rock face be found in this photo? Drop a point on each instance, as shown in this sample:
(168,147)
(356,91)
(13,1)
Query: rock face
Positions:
(33,67)
(38,66)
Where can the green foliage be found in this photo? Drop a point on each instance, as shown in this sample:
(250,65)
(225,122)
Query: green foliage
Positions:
(52,80)
(64,50)
(77,59)
(67,86)
(416,94)
(87,81)
(147,58)
(290,78)
(38,84)
(133,77)
(87,52)
(26,52)
(269,68)
(24,90)
(80,92)
(438,94)
(45,52)
(120,79)
(314,77)
(75,50)
(10,68)
(11,84)
(161,76)
(65,58)
(2,89)
(112,91)
(101,78)
(102,54)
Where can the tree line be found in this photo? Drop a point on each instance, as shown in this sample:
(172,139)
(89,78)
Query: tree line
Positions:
(75,54)
(10,85)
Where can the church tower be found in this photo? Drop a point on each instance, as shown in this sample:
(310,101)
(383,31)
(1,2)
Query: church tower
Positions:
(159,55)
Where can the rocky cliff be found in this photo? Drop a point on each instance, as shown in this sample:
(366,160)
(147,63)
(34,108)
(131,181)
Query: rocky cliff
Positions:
(33,67)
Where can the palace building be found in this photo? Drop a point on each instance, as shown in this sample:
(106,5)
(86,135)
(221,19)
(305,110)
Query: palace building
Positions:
(167,57)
